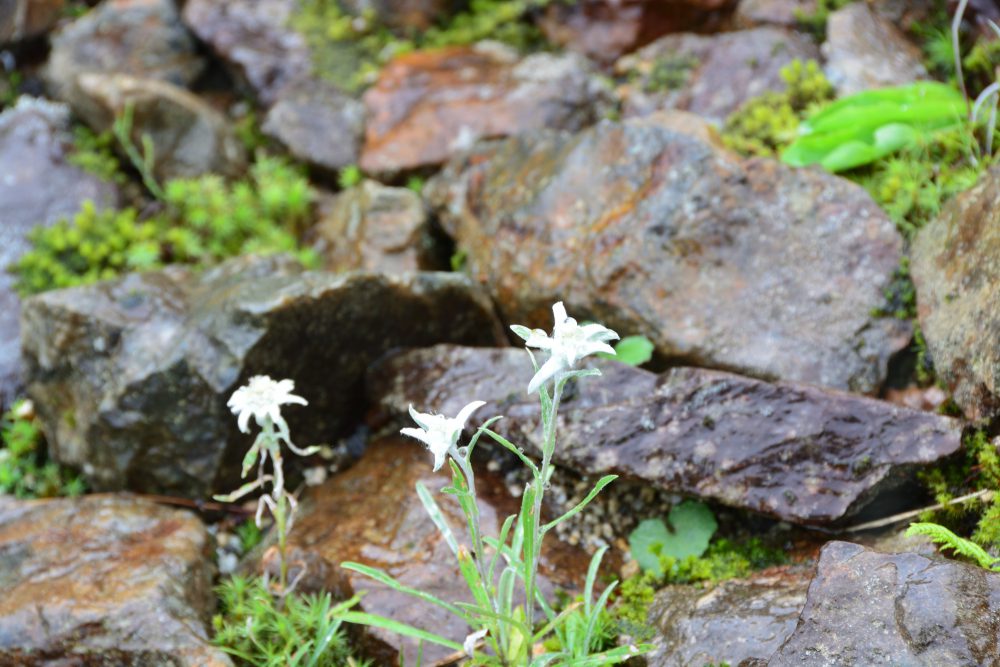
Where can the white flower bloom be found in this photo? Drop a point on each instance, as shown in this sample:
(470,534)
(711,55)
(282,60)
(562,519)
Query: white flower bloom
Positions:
(438,432)
(568,345)
(262,398)
(469,645)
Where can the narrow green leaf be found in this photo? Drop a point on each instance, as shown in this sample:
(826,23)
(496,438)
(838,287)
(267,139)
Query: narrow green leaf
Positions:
(601,483)
(386,579)
(362,618)
(437,517)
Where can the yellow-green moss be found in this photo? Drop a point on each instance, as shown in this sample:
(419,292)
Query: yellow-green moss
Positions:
(815,21)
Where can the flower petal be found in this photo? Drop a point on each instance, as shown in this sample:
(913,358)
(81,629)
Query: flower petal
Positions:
(549,369)
(466,412)
(559,312)
(419,434)
(424,421)
(469,645)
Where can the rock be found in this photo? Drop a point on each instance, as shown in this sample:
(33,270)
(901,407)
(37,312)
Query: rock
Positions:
(429,105)
(710,75)
(793,452)
(730,622)
(373,227)
(317,124)
(141,38)
(864,51)
(371,514)
(38,186)
(131,377)
(744,265)
(26,19)
(404,15)
(104,580)
(254,39)
(189,137)
(957,278)
(869,608)
(784,13)
(603,30)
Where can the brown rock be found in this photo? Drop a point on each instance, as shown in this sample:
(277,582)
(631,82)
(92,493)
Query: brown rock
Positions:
(25,19)
(784,13)
(429,105)
(793,452)
(745,265)
(957,278)
(189,137)
(142,38)
(104,580)
(405,16)
(603,30)
(38,187)
(869,608)
(371,514)
(864,51)
(729,622)
(372,227)
(710,75)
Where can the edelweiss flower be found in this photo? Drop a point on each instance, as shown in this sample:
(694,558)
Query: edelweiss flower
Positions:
(438,432)
(568,345)
(262,398)
(469,645)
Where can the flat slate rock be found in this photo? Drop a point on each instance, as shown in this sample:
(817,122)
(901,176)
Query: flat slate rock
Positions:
(957,277)
(793,452)
(104,580)
(870,608)
(131,377)
(744,265)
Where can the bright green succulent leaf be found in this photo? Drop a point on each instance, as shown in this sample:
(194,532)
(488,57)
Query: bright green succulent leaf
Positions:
(691,528)
(632,350)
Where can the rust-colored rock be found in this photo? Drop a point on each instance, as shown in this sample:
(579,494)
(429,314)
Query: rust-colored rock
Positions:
(371,514)
(869,608)
(710,75)
(603,30)
(429,105)
(957,277)
(745,265)
(104,580)
(793,452)
(373,227)
(25,19)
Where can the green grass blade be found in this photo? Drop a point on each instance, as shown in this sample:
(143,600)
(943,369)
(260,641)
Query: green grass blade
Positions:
(601,483)
(362,618)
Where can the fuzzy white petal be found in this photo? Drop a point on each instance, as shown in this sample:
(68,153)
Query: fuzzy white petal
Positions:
(466,412)
(549,370)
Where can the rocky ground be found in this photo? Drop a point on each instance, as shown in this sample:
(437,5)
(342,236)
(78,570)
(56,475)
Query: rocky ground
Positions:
(448,191)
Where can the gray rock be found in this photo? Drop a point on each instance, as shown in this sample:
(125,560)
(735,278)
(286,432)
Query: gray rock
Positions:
(38,186)
(189,137)
(793,452)
(868,608)
(710,75)
(957,277)
(317,124)
(865,51)
(784,13)
(104,580)
(26,19)
(131,377)
(141,38)
(745,265)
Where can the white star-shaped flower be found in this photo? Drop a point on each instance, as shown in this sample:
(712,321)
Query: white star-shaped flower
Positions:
(438,432)
(568,345)
(472,641)
(262,398)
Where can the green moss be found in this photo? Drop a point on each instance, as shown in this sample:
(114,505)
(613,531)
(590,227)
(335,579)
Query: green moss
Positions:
(247,129)
(24,471)
(349,176)
(669,72)
(766,124)
(204,220)
(815,21)
(95,153)
(10,87)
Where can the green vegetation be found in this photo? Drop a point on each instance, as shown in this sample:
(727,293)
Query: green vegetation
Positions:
(250,535)
(946,539)
(10,87)
(24,472)
(95,153)
(349,176)
(766,124)
(631,350)
(692,525)
(815,21)
(203,221)
(669,72)
(299,630)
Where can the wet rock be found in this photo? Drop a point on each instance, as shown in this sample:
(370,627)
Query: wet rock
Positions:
(371,514)
(372,227)
(789,451)
(784,13)
(142,38)
(317,124)
(254,39)
(710,75)
(189,137)
(864,51)
(603,30)
(727,623)
(957,277)
(745,265)
(131,377)
(25,19)
(429,105)
(38,186)
(870,608)
(104,580)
